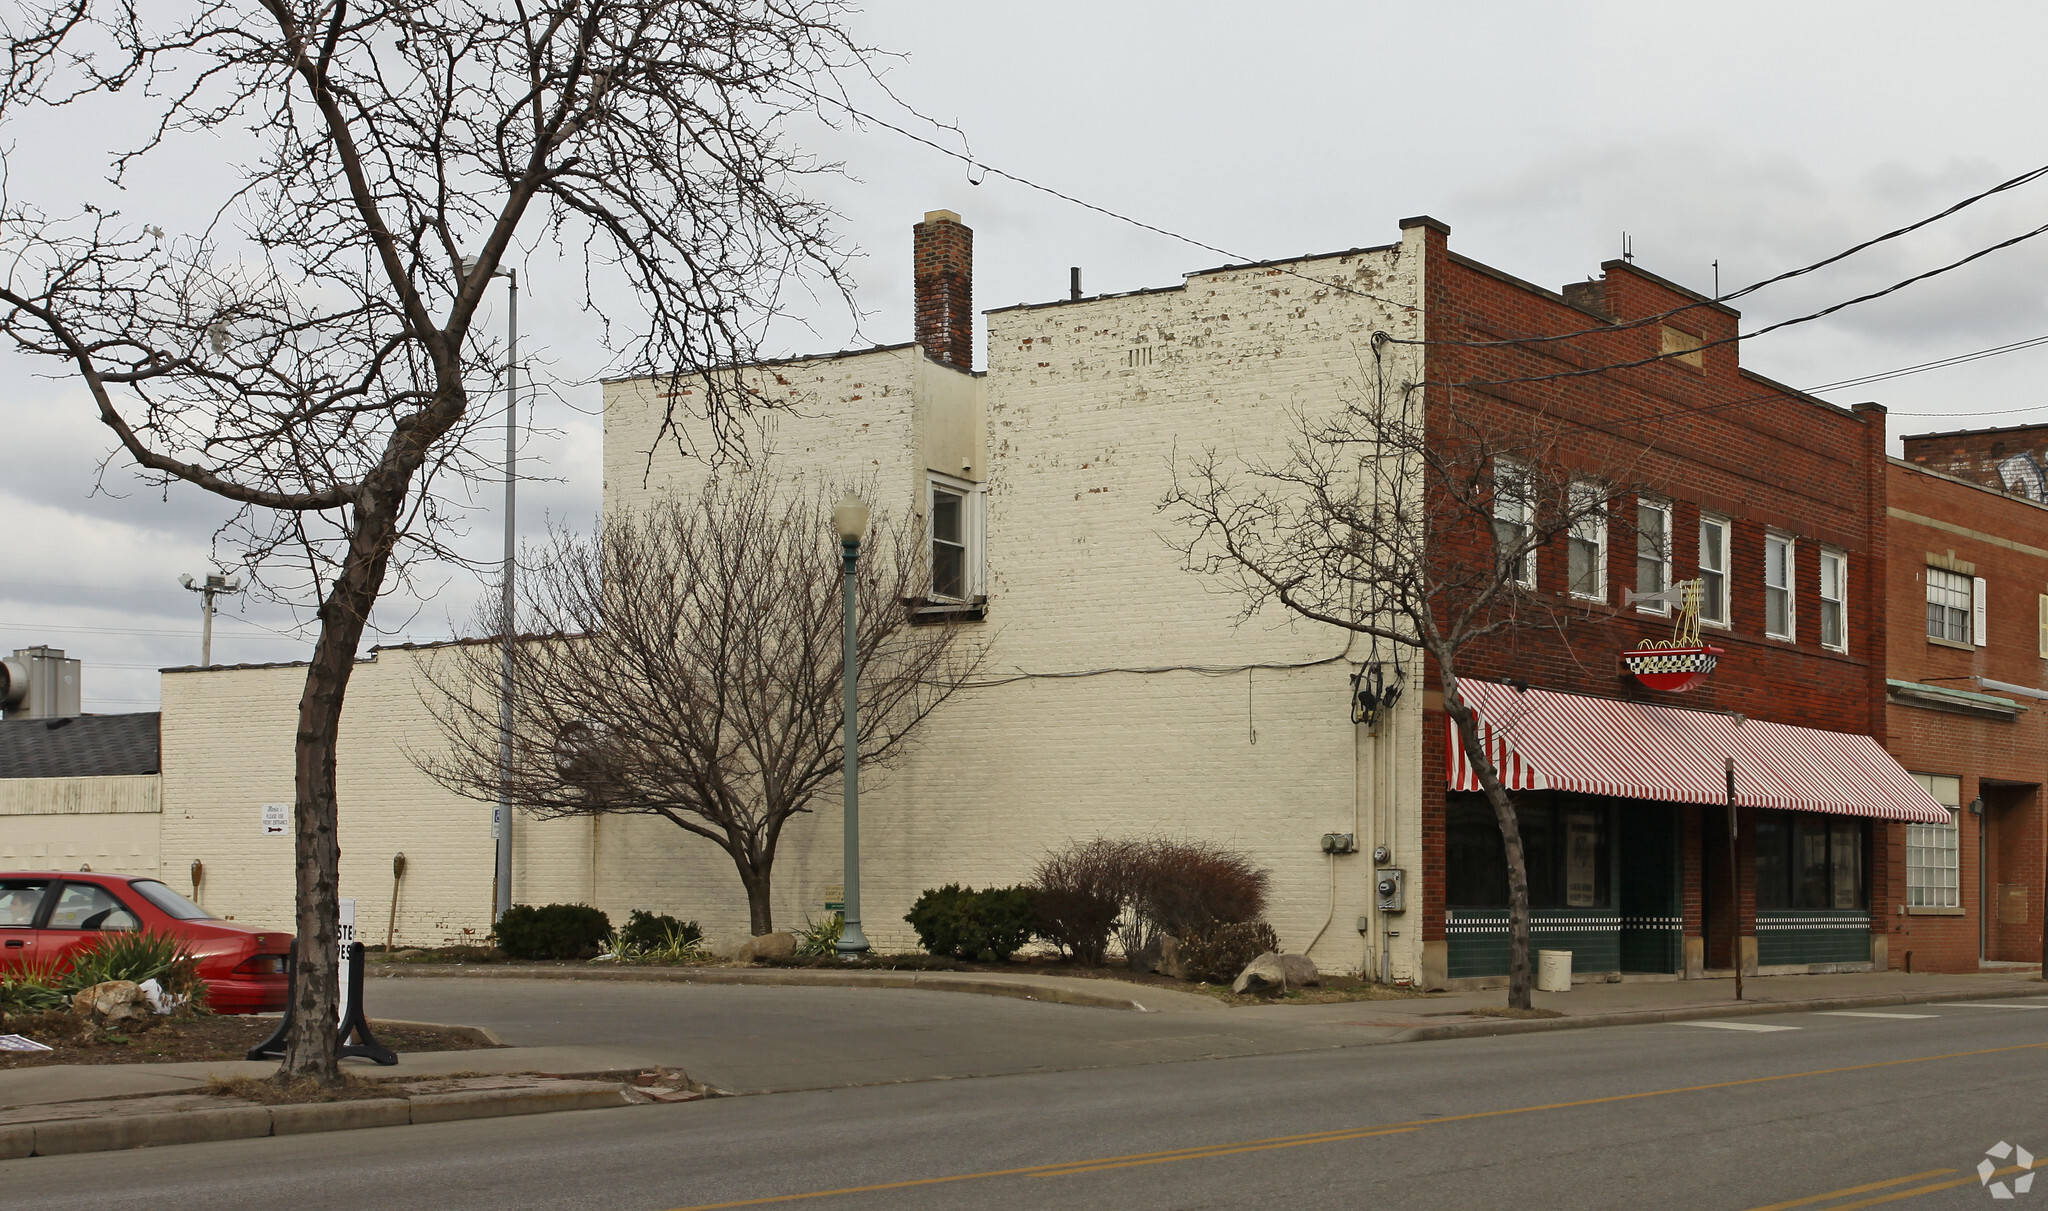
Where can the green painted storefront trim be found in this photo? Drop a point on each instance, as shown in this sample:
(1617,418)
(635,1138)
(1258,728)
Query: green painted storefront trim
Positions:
(1812,935)
(1477,939)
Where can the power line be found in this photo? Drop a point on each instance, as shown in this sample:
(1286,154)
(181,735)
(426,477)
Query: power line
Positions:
(85,630)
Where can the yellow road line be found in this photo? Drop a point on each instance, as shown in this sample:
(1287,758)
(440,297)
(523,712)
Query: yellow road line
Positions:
(1917,1191)
(1314,1137)
(1821,1198)
(1204,1154)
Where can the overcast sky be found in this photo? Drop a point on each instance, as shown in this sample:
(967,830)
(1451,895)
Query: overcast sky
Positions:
(1761,135)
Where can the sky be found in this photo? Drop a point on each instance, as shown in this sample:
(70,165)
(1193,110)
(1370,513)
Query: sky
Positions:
(1761,136)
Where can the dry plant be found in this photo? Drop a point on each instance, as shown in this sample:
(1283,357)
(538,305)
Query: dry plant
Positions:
(690,670)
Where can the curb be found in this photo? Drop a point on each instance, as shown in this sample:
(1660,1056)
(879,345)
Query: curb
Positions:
(118,1131)
(1644,1017)
(1026,990)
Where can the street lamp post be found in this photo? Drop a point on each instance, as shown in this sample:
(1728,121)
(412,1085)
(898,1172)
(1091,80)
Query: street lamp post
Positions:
(850,518)
(502,826)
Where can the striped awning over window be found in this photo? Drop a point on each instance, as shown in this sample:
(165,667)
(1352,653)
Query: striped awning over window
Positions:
(1543,740)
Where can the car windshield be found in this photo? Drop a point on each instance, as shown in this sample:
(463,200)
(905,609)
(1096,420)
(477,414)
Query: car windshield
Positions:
(175,906)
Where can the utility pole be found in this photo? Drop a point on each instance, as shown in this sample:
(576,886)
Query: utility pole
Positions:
(501,823)
(213,584)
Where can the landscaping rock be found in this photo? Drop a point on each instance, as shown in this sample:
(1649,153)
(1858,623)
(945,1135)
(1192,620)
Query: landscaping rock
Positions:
(777,945)
(1146,958)
(1301,971)
(1264,976)
(115,1004)
(1171,962)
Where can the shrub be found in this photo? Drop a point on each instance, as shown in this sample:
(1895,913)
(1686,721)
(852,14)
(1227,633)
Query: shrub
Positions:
(1188,886)
(31,988)
(1216,954)
(988,926)
(818,938)
(554,931)
(136,957)
(646,931)
(1080,891)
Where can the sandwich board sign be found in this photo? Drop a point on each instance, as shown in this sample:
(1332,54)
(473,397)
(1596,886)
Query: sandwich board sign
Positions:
(346,935)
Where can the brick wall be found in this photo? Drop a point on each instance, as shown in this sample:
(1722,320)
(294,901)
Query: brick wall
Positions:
(2013,458)
(2004,539)
(943,259)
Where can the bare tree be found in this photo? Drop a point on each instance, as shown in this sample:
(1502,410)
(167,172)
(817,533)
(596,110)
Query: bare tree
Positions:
(691,669)
(1421,530)
(307,355)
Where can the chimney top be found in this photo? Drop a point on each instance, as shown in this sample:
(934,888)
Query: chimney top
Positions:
(942,271)
(940,216)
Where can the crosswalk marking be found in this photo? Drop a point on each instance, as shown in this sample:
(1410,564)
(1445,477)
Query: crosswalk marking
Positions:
(1759,1027)
(1854,1013)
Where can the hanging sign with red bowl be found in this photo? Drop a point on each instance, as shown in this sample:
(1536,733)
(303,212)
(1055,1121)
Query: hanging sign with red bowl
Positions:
(1672,669)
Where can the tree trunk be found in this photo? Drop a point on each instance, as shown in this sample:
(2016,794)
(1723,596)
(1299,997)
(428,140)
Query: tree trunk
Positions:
(311,1044)
(760,916)
(1520,982)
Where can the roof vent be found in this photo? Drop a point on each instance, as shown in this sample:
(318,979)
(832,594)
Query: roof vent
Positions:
(39,683)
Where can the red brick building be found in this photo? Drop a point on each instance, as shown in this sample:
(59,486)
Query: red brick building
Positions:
(1968,644)
(1776,500)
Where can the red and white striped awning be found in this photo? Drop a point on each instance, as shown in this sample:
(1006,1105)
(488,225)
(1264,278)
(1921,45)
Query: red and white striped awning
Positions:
(1543,740)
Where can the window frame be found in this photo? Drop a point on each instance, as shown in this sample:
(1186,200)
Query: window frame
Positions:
(1726,528)
(1918,840)
(1522,475)
(973,536)
(1790,588)
(1651,504)
(1965,592)
(1840,560)
(1589,527)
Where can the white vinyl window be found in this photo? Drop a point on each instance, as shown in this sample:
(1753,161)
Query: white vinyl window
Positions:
(1834,600)
(1780,554)
(1714,571)
(1653,553)
(1587,544)
(953,519)
(1950,596)
(1512,515)
(1931,867)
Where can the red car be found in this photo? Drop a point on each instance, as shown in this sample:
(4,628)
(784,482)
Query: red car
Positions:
(51,916)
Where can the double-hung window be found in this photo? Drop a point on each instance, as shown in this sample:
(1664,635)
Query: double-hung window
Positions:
(1513,511)
(1586,565)
(954,522)
(1931,867)
(1714,570)
(1834,600)
(1653,553)
(1949,596)
(1780,554)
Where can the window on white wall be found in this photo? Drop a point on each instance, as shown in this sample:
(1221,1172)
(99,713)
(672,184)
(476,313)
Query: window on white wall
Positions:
(953,519)
(1779,555)
(1587,546)
(1834,600)
(1653,552)
(1512,514)
(1714,570)
(1931,867)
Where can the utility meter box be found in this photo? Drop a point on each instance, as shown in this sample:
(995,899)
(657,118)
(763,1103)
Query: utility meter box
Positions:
(1393,890)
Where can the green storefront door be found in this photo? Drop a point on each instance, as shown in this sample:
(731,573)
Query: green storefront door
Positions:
(1651,927)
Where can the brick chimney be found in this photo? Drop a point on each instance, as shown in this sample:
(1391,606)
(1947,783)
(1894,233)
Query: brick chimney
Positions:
(942,253)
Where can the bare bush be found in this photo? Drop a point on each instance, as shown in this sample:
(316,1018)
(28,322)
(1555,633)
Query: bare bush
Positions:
(1143,890)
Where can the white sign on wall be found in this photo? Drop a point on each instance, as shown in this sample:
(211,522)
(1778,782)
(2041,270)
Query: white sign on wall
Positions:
(277,819)
(346,935)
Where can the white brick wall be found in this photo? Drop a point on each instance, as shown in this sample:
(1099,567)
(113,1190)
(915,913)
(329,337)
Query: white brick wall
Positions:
(1082,438)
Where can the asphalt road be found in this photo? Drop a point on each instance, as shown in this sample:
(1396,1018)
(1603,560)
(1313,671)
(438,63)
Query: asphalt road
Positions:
(1863,1110)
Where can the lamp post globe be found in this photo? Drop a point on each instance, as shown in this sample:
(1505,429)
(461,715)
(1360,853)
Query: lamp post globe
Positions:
(850,519)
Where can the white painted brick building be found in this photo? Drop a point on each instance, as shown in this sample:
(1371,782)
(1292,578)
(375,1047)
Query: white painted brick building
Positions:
(1124,695)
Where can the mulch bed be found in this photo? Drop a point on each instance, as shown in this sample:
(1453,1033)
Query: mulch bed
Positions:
(177,1038)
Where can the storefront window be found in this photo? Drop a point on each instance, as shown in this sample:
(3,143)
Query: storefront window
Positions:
(1808,861)
(1566,843)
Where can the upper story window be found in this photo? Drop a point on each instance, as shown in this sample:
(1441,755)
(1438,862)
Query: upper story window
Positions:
(1653,552)
(1512,515)
(1779,557)
(1586,565)
(1949,600)
(1714,570)
(1834,599)
(954,522)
